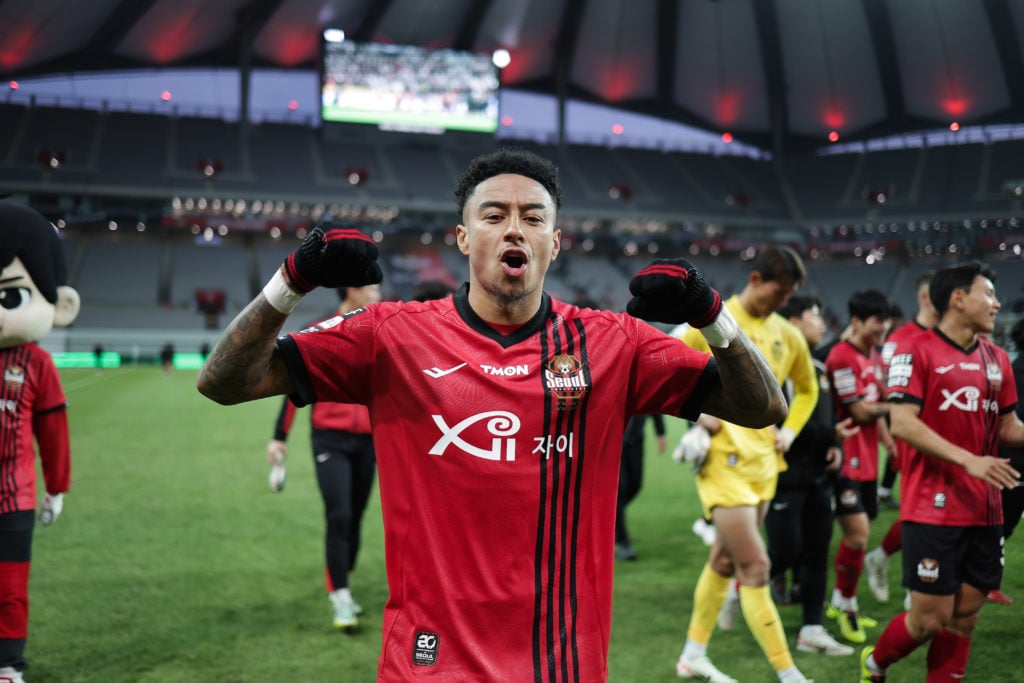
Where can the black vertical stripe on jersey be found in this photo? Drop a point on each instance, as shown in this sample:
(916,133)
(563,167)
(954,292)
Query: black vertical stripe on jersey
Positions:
(9,437)
(538,671)
(558,527)
(567,542)
(994,495)
(581,441)
(552,524)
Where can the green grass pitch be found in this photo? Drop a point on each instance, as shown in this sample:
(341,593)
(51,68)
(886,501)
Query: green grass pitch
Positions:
(173,562)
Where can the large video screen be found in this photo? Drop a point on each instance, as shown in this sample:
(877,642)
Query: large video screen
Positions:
(408,88)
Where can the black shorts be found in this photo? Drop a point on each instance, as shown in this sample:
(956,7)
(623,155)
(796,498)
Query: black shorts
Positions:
(855,497)
(937,559)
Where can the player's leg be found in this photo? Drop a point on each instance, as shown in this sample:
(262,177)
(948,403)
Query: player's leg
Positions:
(782,527)
(849,559)
(15,555)
(931,555)
(817,524)
(334,477)
(364,469)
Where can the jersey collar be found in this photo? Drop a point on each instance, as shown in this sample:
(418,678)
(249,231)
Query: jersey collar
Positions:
(525,331)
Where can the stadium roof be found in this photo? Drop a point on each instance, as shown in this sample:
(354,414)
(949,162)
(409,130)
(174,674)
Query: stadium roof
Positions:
(780,74)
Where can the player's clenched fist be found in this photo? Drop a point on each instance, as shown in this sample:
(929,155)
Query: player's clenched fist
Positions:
(333,256)
(674,291)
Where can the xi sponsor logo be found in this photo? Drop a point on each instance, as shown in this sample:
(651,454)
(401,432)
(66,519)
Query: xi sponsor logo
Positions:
(500,424)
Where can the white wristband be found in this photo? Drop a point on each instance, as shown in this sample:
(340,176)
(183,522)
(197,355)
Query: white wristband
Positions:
(279,295)
(722,331)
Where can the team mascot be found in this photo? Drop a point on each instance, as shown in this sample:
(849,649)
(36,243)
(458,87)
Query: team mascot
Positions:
(34,298)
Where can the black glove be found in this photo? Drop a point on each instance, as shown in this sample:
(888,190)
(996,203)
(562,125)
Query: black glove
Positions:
(333,256)
(673,291)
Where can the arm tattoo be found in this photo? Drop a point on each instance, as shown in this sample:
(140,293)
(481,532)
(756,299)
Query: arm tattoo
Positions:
(245,363)
(748,393)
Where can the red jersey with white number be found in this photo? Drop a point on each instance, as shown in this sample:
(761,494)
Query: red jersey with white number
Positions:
(961,393)
(32,407)
(857,376)
(499,464)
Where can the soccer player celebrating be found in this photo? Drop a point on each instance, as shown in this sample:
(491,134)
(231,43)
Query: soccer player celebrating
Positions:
(855,371)
(737,479)
(952,396)
(498,417)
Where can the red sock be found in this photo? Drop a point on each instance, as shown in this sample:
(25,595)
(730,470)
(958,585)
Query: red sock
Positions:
(947,657)
(13,600)
(848,565)
(893,540)
(895,642)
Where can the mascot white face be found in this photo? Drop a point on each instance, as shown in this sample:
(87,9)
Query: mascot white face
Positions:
(26,314)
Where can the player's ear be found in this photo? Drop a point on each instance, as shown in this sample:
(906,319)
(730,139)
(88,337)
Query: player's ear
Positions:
(462,239)
(556,244)
(67,306)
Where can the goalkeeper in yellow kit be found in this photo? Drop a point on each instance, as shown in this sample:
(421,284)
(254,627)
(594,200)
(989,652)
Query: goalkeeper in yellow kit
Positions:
(737,475)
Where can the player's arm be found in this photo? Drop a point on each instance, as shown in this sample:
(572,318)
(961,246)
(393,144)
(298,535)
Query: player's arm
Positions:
(673,291)
(245,364)
(908,426)
(1011,430)
(864,412)
(805,397)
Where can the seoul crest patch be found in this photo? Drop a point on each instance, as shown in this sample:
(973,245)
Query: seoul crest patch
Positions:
(566,379)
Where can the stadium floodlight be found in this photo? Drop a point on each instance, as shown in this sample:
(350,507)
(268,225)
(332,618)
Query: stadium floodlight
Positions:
(334,35)
(501,58)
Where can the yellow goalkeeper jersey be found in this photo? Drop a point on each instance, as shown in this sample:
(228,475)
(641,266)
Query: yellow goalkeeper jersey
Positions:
(752,451)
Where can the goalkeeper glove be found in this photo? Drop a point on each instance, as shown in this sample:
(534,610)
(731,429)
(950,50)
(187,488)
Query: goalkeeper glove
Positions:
(51,507)
(693,447)
(674,291)
(275,456)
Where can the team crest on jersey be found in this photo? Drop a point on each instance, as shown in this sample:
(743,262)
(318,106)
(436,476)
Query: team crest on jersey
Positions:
(565,378)
(14,378)
(994,374)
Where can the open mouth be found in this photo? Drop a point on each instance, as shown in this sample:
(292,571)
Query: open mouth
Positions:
(513,263)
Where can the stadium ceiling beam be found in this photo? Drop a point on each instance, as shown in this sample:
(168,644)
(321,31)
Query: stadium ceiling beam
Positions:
(665,77)
(368,26)
(97,54)
(251,18)
(565,50)
(884,43)
(1001,19)
(465,38)
(775,82)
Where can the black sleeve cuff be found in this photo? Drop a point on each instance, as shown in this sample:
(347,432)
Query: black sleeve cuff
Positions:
(304,393)
(691,410)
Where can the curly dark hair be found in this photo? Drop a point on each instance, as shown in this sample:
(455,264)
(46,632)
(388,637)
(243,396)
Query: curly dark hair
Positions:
(508,160)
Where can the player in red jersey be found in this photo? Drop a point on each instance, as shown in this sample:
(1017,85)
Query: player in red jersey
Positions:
(34,297)
(345,470)
(952,396)
(876,562)
(498,417)
(855,370)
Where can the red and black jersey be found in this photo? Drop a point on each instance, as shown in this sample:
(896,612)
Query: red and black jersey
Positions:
(962,394)
(900,335)
(857,376)
(499,464)
(32,407)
